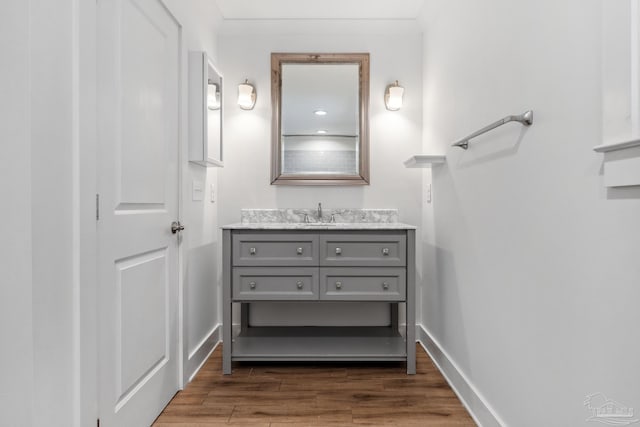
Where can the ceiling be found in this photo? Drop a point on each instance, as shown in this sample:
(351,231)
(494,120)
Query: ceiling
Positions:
(320,9)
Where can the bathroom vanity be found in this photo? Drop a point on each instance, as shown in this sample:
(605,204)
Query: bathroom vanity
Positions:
(293,262)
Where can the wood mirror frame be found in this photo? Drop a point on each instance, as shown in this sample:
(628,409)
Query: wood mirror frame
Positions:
(277,177)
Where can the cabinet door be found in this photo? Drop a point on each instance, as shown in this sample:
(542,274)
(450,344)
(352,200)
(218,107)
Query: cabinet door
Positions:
(363,250)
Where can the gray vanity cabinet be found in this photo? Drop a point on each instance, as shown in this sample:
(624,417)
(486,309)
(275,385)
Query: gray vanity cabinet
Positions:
(319,265)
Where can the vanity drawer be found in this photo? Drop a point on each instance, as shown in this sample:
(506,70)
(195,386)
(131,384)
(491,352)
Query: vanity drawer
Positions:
(269,284)
(363,284)
(275,249)
(363,250)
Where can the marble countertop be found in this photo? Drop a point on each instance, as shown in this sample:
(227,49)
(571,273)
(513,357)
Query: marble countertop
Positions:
(309,219)
(319,226)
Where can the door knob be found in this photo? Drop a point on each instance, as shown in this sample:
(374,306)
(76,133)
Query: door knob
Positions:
(176,227)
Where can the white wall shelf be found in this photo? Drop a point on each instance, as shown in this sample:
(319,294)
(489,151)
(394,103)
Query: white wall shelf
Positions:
(607,148)
(621,164)
(425,160)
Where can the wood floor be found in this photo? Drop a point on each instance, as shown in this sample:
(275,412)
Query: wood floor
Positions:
(337,394)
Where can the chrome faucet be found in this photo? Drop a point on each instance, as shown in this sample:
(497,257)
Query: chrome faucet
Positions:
(319,212)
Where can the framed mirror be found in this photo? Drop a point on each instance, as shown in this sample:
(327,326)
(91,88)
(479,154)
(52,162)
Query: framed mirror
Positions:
(320,122)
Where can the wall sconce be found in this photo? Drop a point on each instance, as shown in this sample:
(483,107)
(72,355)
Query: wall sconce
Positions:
(213,96)
(393,97)
(246,95)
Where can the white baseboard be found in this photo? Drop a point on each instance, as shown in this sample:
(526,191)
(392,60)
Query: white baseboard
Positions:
(481,412)
(200,355)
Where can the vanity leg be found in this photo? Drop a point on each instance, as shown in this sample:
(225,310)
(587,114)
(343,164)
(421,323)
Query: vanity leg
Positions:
(227,308)
(411,302)
(395,322)
(244,318)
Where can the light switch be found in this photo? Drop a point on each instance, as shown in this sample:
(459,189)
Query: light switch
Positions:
(212,194)
(428,194)
(197,193)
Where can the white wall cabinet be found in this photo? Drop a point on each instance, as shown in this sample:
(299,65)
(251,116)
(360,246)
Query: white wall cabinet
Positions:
(205,111)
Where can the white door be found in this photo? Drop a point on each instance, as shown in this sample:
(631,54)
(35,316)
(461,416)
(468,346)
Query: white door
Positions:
(138,115)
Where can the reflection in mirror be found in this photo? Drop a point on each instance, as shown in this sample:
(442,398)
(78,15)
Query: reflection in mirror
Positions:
(214,113)
(320,119)
(205,111)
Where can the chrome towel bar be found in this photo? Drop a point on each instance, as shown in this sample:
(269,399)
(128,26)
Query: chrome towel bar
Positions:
(525,118)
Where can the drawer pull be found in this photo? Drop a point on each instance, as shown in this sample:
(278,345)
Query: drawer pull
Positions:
(252,251)
(385,285)
(338,285)
(299,251)
(338,251)
(299,284)
(385,251)
(252,285)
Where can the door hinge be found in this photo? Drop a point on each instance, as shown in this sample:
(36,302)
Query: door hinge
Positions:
(98,422)
(97,211)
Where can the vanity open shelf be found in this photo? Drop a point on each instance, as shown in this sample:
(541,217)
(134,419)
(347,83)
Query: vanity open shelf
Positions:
(346,263)
(319,344)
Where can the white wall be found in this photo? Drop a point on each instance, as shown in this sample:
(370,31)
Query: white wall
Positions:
(53,181)
(200,20)
(39,168)
(245,183)
(49,354)
(536,294)
(395,136)
(16,324)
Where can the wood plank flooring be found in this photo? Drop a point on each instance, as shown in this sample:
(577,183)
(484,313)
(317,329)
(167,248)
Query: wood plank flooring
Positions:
(330,394)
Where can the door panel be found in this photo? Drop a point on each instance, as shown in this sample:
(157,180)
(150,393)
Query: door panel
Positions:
(143,335)
(144,69)
(138,150)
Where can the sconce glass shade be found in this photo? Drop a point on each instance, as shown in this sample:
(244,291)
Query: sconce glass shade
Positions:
(246,95)
(213,97)
(393,97)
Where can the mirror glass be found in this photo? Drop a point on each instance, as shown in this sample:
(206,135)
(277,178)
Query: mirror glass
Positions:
(214,113)
(205,111)
(320,119)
